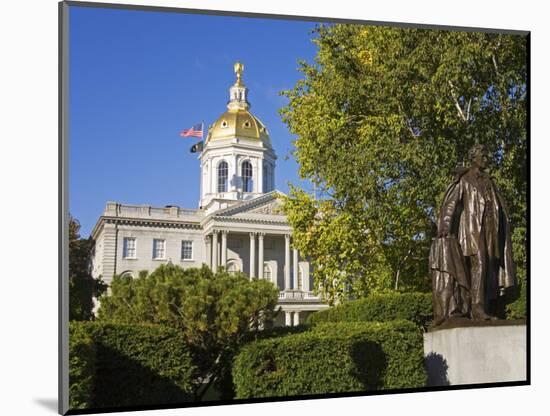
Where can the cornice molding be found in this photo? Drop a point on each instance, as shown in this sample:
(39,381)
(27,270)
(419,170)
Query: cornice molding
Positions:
(150,222)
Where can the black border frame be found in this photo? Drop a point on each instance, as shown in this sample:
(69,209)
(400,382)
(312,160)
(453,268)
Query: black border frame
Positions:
(63,171)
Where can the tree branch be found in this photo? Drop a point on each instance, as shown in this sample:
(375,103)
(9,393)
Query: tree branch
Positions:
(457,105)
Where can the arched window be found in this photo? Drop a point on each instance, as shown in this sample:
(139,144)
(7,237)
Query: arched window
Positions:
(127,274)
(222,177)
(233,267)
(247,176)
(267,272)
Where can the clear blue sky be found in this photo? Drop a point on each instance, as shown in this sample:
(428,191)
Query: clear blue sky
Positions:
(138,78)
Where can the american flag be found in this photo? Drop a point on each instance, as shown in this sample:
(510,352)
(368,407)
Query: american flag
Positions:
(195,131)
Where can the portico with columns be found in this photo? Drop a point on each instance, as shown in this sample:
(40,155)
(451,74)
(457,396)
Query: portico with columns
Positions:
(239,225)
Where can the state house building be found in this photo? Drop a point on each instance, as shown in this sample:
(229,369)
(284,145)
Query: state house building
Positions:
(239,223)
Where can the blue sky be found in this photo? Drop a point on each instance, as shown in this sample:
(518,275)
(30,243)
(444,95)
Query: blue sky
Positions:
(138,78)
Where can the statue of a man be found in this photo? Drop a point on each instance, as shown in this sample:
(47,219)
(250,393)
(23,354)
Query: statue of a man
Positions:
(471,258)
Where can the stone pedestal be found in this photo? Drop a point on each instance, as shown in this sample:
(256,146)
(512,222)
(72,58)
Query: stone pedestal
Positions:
(492,353)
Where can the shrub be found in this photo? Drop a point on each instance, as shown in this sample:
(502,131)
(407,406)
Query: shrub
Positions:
(332,358)
(81,367)
(415,307)
(214,311)
(137,365)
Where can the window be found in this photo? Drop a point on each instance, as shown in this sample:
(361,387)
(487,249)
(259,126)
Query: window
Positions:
(186,250)
(300,279)
(129,248)
(159,249)
(222,177)
(247,176)
(267,272)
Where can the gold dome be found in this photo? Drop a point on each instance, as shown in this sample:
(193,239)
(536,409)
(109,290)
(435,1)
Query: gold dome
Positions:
(237,121)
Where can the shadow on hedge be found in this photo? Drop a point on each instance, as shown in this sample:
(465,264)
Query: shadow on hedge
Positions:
(115,383)
(370,364)
(436,368)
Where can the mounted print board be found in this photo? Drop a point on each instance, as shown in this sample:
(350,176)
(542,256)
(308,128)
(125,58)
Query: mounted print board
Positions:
(268,208)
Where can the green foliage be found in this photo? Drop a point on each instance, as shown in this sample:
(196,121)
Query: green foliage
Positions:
(82,286)
(82,355)
(327,235)
(134,365)
(516,302)
(382,117)
(332,358)
(215,312)
(414,307)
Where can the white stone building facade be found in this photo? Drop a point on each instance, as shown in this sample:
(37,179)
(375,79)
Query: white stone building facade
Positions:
(239,224)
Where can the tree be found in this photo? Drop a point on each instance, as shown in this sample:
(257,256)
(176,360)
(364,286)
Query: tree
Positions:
(215,311)
(381,117)
(82,286)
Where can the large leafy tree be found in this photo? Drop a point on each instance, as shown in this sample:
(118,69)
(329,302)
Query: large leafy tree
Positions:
(82,286)
(382,117)
(215,311)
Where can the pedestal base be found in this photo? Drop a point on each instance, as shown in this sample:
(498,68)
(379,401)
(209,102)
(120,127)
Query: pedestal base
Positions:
(476,354)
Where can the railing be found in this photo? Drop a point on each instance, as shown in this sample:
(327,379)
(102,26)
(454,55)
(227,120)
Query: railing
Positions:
(147,211)
(298,295)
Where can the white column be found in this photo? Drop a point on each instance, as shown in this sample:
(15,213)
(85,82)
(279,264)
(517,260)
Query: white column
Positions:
(295,268)
(296,318)
(224,248)
(305,283)
(255,176)
(234,175)
(261,255)
(214,251)
(288,318)
(209,178)
(208,244)
(272,176)
(252,255)
(261,176)
(287,261)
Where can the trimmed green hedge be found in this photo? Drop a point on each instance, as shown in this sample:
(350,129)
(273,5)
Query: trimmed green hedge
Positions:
(134,365)
(415,307)
(332,358)
(82,354)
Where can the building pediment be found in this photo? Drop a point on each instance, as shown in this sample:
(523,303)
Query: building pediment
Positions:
(269,204)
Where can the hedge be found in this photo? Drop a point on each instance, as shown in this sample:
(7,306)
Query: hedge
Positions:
(415,307)
(332,358)
(134,365)
(82,355)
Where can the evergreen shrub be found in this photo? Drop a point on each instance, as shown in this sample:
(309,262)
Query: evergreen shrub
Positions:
(134,364)
(82,355)
(332,358)
(415,307)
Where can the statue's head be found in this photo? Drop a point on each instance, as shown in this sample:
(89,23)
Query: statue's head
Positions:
(478,156)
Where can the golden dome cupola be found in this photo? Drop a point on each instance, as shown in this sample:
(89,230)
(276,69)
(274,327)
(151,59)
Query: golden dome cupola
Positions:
(238,122)
(238,160)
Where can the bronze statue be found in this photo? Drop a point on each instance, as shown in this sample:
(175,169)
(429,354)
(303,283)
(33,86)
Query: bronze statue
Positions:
(471,258)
